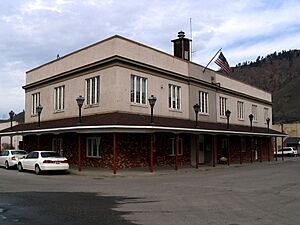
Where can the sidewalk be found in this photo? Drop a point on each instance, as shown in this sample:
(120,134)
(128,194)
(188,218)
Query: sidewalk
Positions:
(160,171)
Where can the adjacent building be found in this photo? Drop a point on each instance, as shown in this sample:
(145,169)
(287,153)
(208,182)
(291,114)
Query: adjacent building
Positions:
(117,78)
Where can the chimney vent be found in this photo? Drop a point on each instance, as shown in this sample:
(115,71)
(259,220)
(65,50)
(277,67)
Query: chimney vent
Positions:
(182,46)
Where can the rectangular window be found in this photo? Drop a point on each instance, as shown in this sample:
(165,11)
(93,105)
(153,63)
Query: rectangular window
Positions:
(35,101)
(266,114)
(240,110)
(254,112)
(223,106)
(174,97)
(92,88)
(138,93)
(173,146)
(203,102)
(57,145)
(59,98)
(93,147)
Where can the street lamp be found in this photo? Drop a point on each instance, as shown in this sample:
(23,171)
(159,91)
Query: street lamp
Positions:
(268,123)
(152,101)
(227,114)
(251,119)
(196,109)
(80,99)
(39,111)
(11,116)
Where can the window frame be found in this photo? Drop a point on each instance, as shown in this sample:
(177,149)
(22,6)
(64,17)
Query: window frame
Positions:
(173,147)
(92,91)
(59,98)
(204,103)
(254,112)
(223,106)
(98,145)
(266,114)
(240,110)
(35,102)
(138,97)
(175,97)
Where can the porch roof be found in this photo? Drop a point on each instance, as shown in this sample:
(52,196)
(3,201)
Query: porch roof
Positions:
(133,123)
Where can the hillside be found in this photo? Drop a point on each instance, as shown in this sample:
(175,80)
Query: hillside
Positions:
(278,73)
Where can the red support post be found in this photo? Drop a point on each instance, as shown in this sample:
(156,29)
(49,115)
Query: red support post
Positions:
(241,146)
(0,144)
(38,142)
(260,150)
(177,150)
(251,150)
(79,152)
(276,149)
(115,152)
(151,154)
(197,151)
(269,146)
(56,147)
(11,142)
(214,150)
(228,151)
(282,157)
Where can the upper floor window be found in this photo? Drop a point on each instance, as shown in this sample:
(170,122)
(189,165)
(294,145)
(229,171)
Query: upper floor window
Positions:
(266,114)
(203,102)
(254,112)
(92,88)
(59,98)
(223,106)
(174,97)
(138,92)
(93,147)
(35,101)
(240,110)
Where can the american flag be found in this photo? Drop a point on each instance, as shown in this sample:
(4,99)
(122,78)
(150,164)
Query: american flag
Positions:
(222,62)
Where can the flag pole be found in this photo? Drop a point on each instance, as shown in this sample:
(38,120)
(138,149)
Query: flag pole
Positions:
(211,60)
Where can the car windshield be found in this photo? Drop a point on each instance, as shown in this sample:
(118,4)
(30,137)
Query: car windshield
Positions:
(49,154)
(18,152)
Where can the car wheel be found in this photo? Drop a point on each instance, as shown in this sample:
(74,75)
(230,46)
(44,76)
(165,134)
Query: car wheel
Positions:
(20,167)
(6,165)
(37,170)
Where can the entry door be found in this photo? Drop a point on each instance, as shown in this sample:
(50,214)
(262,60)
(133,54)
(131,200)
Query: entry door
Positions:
(201,152)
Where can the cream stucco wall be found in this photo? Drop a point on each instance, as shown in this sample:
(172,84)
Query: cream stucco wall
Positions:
(232,106)
(6,139)
(115,45)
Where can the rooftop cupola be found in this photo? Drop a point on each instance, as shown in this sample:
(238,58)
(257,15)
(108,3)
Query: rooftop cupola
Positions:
(182,46)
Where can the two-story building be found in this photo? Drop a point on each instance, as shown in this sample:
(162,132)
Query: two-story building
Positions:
(114,127)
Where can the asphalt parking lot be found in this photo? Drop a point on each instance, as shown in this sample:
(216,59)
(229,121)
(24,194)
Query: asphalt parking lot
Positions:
(259,193)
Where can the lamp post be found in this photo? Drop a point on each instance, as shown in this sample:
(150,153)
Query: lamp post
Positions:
(11,116)
(227,114)
(268,124)
(152,101)
(196,109)
(251,119)
(80,100)
(39,111)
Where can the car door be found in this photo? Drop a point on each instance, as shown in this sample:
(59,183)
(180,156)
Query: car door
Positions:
(26,163)
(3,157)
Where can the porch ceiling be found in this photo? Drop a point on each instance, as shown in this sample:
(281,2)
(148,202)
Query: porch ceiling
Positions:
(133,123)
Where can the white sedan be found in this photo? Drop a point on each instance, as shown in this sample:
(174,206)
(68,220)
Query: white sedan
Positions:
(40,161)
(10,157)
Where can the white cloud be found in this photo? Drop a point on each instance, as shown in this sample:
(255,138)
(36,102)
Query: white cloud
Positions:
(34,31)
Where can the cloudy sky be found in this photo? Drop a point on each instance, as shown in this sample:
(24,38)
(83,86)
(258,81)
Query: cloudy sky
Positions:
(33,32)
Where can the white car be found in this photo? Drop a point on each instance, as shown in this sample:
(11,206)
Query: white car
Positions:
(287,151)
(40,161)
(10,157)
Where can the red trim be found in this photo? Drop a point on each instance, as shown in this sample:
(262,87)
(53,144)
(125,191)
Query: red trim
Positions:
(282,157)
(241,146)
(260,150)
(214,151)
(228,151)
(79,153)
(251,150)
(276,148)
(177,150)
(115,153)
(151,154)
